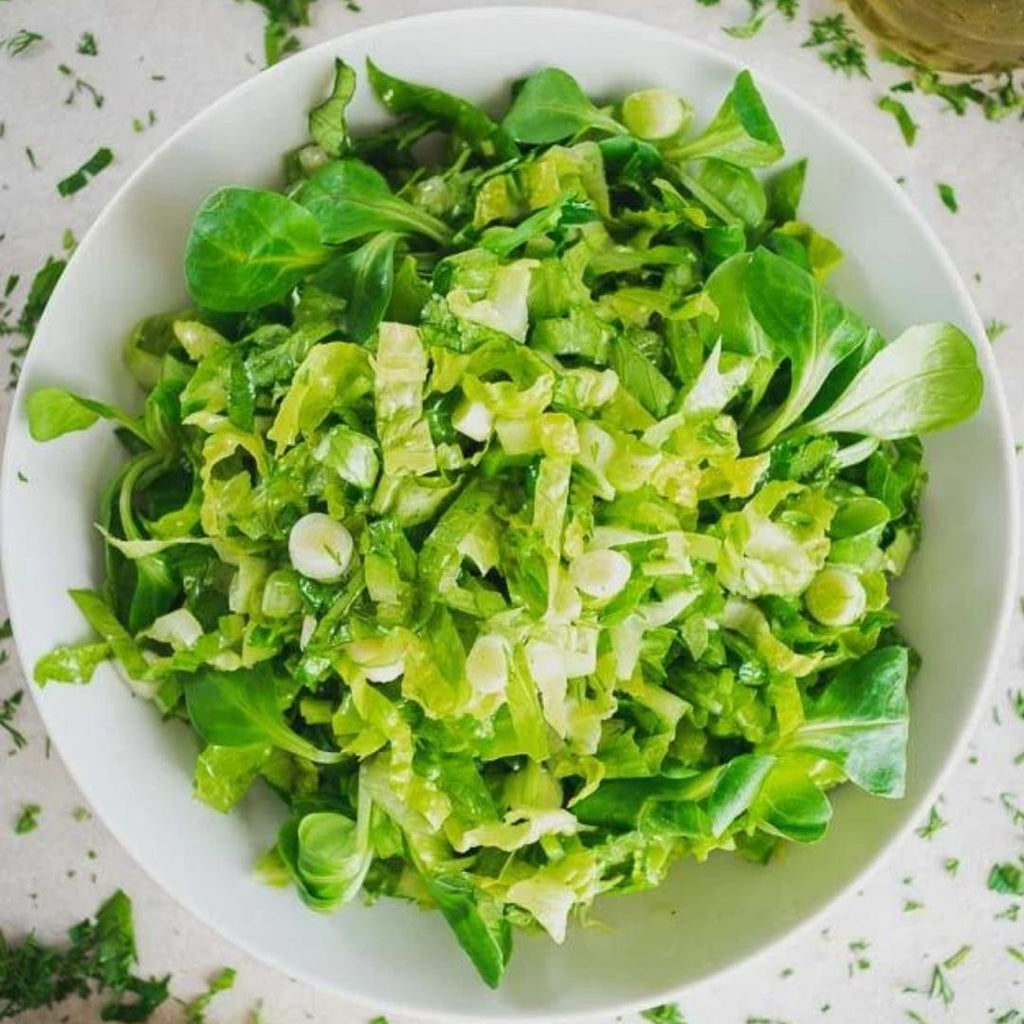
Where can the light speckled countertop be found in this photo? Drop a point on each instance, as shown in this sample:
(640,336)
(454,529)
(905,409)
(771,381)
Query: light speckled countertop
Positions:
(858,963)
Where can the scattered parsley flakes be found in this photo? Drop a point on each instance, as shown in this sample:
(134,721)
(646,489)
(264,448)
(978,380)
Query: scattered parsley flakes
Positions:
(667,1013)
(948,197)
(195,1011)
(907,125)
(760,11)
(952,865)
(997,98)
(910,905)
(957,958)
(1006,878)
(87,45)
(384,1020)
(80,85)
(6,630)
(9,707)
(31,158)
(1015,953)
(940,987)
(138,125)
(1008,800)
(28,821)
(994,328)
(80,813)
(99,960)
(934,824)
(838,45)
(22,40)
(73,183)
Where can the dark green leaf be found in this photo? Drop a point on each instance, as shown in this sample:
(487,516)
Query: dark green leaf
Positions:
(349,200)
(452,113)
(364,278)
(551,106)
(248,248)
(478,922)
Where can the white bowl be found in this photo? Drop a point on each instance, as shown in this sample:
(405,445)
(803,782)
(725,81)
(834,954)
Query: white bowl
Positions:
(136,771)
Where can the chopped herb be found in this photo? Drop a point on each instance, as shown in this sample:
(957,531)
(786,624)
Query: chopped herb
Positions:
(907,125)
(1008,800)
(195,1011)
(21,41)
(909,905)
(99,960)
(914,1016)
(39,293)
(1006,878)
(8,710)
(78,86)
(667,1013)
(87,45)
(838,45)
(994,328)
(1015,953)
(384,1020)
(997,98)
(73,183)
(12,283)
(952,865)
(68,241)
(1010,913)
(940,987)
(80,813)
(158,78)
(934,823)
(957,958)
(28,821)
(760,11)
(31,158)
(6,631)
(948,197)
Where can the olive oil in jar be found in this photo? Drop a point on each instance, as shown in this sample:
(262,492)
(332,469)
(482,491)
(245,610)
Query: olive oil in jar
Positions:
(970,36)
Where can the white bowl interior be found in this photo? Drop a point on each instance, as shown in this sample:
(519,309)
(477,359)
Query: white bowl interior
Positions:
(136,771)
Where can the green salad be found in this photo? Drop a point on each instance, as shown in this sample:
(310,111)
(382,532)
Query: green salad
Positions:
(518,504)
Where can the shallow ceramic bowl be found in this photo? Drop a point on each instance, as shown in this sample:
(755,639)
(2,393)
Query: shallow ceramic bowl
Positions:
(136,771)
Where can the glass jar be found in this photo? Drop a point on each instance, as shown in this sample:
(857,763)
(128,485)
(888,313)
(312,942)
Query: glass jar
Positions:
(969,36)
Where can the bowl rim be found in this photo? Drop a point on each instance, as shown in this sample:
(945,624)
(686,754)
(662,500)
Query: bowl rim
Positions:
(853,150)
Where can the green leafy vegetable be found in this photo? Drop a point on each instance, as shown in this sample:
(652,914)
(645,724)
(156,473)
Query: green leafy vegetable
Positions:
(247,248)
(741,133)
(349,200)
(551,106)
(523,518)
(452,113)
(328,127)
